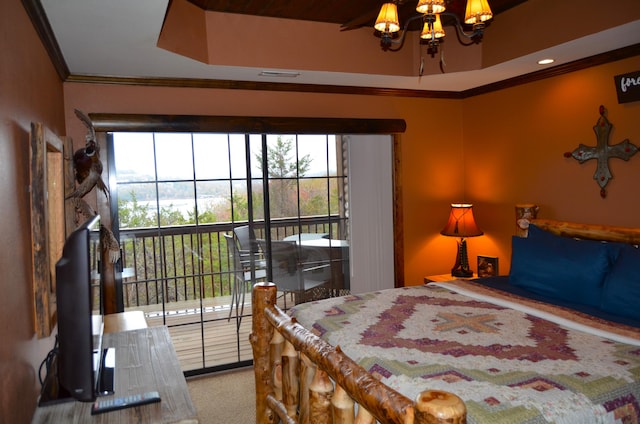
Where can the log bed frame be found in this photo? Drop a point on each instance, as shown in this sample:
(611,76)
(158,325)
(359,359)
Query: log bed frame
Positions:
(295,370)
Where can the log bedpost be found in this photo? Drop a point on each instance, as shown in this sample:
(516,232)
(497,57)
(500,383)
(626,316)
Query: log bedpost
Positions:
(290,379)
(264,294)
(307,372)
(277,344)
(320,393)
(342,406)
(364,417)
(439,407)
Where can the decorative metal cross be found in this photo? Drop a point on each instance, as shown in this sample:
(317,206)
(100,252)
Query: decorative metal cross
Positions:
(603,151)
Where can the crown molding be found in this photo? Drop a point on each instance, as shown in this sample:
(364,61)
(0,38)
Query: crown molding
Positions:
(41,24)
(261,86)
(600,59)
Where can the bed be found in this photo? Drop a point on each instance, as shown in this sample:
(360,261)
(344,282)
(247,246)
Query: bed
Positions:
(558,340)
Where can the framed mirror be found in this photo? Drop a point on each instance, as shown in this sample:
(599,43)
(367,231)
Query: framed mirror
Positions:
(47,178)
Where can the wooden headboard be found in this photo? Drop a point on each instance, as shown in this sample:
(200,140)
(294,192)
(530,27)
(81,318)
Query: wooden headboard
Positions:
(589,231)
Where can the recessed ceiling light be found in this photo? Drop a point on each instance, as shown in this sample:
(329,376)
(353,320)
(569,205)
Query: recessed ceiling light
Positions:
(289,74)
(545,61)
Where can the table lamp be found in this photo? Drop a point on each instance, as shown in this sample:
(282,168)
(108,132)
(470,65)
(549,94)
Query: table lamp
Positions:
(461,224)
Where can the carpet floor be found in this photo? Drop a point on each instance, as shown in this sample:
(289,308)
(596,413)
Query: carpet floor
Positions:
(224,398)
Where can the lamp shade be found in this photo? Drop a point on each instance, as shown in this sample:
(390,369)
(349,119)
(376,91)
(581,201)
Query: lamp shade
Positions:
(461,222)
(388,18)
(430,6)
(477,12)
(437,31)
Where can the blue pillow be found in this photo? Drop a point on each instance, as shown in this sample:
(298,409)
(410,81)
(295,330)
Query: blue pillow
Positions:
(560,267)
(538,233)
(621,291)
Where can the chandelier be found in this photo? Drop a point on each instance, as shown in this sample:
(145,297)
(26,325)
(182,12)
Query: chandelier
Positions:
(430,11)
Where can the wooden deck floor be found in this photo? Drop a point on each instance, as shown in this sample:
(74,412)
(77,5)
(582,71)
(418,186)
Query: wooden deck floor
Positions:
(201,332)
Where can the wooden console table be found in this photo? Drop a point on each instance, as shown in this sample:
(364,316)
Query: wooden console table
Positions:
(145,361)
(124,321)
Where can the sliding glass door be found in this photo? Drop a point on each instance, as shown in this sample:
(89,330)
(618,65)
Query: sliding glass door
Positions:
(182,199)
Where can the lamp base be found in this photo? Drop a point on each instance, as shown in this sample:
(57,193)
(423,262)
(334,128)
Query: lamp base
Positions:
(461,267)
(459,272)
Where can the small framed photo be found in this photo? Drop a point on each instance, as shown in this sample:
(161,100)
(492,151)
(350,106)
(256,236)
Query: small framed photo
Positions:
(487,266)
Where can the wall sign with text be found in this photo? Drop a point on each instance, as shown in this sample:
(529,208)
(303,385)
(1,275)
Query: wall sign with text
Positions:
(628,87)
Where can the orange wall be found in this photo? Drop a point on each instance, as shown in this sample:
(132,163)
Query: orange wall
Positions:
(506,40)
(494,150)
(267,43)
(30,90)
(514,141)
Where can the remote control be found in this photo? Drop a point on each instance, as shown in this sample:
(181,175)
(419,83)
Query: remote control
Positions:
(113,404)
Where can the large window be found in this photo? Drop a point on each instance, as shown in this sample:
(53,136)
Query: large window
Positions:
(168,179)
(178,192)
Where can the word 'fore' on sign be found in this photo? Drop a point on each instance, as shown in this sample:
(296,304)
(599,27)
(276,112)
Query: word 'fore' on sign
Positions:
(628,87)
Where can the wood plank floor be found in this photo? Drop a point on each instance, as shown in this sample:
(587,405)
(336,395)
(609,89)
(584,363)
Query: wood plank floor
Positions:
(201,332)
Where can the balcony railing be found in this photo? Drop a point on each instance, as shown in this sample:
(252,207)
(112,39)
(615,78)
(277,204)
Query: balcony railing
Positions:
(182,263)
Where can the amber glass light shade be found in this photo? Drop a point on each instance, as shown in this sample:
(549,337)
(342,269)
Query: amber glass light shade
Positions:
(461,222)
(388,18)
(478,11)
(438,31)
(430,6)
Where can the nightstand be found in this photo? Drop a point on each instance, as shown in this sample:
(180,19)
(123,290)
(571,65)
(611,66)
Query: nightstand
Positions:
(444,277)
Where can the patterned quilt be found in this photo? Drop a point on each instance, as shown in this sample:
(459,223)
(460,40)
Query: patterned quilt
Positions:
(509,363)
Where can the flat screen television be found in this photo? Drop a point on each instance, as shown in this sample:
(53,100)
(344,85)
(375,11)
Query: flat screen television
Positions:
(80,357)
